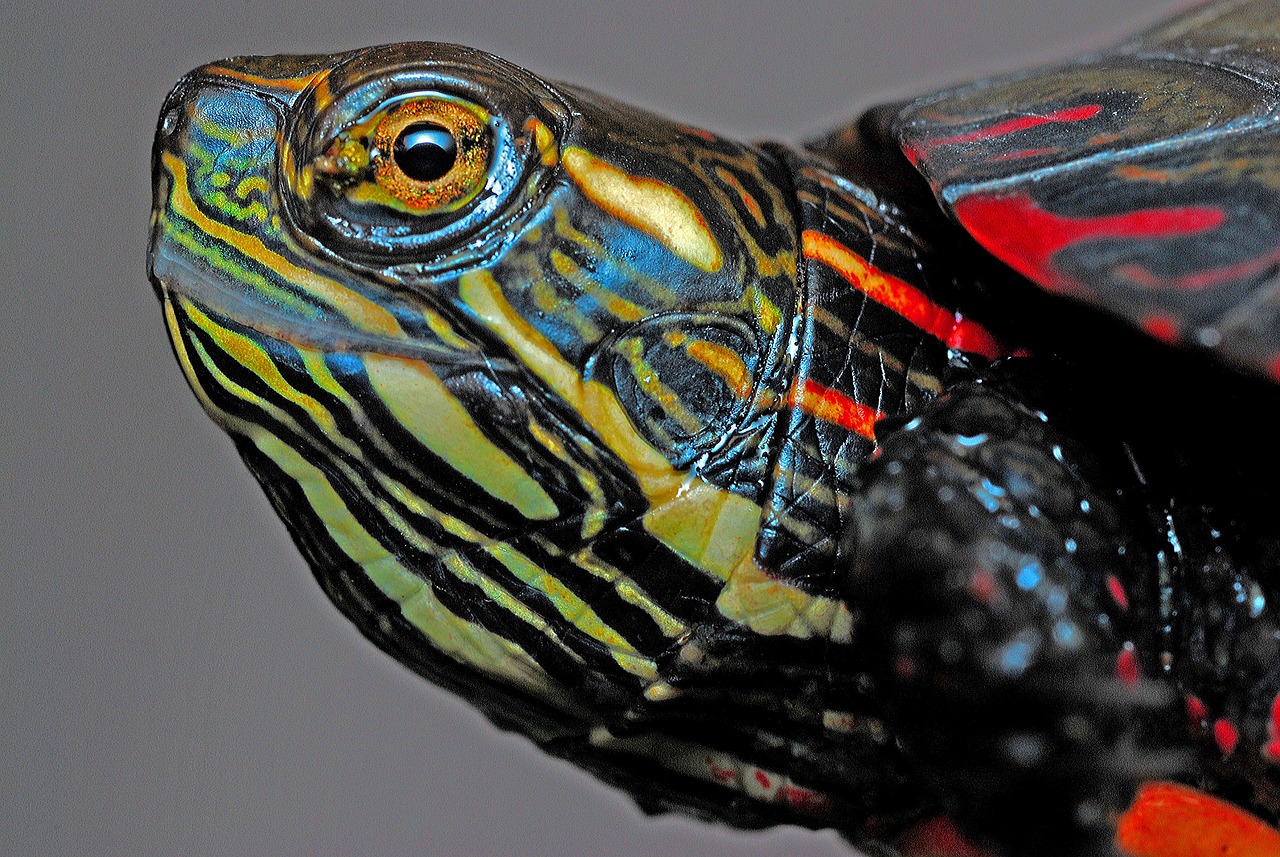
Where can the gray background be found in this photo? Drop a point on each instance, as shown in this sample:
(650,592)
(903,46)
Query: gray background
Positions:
(171,679)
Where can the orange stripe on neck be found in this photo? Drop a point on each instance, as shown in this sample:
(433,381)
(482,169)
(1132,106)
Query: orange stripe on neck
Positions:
(903,298)
(834,407)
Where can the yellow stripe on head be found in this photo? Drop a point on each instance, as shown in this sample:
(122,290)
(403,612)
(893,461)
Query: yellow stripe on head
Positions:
(654,207)
(421,403)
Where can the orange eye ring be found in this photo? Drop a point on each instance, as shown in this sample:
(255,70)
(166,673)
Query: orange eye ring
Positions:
(463,179)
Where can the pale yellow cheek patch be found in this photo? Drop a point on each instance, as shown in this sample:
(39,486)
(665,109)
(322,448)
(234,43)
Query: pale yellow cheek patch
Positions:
(424,406)
(653,207)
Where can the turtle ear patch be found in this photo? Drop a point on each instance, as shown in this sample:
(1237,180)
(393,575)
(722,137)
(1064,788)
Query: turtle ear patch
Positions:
(686,381)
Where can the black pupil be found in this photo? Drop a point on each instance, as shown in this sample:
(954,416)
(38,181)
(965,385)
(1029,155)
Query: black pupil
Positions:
(425,151)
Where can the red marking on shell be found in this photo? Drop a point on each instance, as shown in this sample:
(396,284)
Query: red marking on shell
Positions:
(898,295)
(805,800)
(1226,735)
(1273,368)
(1019,123)
(763,779)
(1127,666)
(1025,236)
(1197,711)
(834,407)
(1162,327)
(1024,153)
(938,837)
(1169,820)
(1272,750)
(1118,595)
(1199,280)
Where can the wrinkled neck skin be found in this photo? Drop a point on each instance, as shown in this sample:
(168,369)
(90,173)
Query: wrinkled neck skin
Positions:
(577,447)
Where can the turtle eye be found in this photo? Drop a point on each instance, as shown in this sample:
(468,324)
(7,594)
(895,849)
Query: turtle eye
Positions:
(429,155)
(425,151)
(418,163)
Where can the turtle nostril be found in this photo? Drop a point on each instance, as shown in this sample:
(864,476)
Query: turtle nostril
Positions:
(169,120)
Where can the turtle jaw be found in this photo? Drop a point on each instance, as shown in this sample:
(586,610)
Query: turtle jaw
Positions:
(222,237)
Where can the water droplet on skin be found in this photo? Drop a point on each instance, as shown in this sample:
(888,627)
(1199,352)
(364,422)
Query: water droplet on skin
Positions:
(1025,750)
(1017,654)
(984,496)
(1070,545)
(1209,337)
(1015,658)
(1088,813)
(894,501)
(1029,576)
(970,440)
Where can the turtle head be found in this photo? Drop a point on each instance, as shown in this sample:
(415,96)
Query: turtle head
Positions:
(504,354)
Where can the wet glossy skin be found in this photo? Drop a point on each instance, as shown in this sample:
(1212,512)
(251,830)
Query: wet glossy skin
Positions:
(580,429)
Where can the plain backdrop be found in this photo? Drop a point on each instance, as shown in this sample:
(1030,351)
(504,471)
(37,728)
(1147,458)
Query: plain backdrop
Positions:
(172,681)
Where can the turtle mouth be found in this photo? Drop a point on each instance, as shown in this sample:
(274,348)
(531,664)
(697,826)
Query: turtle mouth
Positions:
(258,278)
(177,278)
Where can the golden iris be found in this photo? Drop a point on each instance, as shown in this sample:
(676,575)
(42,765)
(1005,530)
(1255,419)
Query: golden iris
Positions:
(431,154)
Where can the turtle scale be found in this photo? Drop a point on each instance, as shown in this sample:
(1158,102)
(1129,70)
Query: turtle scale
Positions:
(1143,180)
(741,477)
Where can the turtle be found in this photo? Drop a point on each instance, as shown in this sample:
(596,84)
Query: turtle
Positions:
(914,481)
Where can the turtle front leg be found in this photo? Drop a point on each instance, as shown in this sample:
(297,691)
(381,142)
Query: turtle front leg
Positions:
(1008,598)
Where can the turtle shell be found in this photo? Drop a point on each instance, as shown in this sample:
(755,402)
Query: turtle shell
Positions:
(1143,180)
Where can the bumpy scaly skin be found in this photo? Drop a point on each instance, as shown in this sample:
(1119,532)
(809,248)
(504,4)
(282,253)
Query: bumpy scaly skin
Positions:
(1014,668)
(692,461)
(1021,661)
